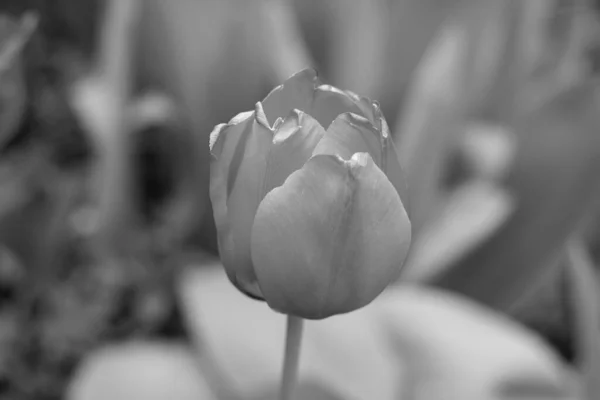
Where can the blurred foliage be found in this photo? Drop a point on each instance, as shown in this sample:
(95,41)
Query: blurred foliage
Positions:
(105,111)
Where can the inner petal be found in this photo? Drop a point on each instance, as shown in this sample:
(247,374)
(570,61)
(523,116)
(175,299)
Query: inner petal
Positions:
(329,102)
(370,109)
(292,146)
(349,134)
(295,93)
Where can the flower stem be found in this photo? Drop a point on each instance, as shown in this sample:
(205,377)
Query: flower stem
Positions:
(291,359)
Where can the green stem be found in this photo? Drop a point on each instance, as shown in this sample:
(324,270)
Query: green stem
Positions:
(586,306)
(291,359)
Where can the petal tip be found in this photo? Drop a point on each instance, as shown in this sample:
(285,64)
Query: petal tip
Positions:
(310,73)
(219,130)
(260,117)
(241,117)
(215,150)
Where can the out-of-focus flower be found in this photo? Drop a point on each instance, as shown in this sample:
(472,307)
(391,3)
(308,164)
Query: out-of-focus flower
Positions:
(308,200)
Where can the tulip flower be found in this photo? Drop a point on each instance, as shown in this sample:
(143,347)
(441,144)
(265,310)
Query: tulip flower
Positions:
(308,198)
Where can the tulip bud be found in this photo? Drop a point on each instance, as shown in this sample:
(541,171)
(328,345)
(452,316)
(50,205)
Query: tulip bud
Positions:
(309,200)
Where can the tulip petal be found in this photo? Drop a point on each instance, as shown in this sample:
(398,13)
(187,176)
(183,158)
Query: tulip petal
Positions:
(366,107)
(237,172)
(390,163)
(295,93)
(330,102)
(321,241)
(350,134)
(292,146)
(224,140)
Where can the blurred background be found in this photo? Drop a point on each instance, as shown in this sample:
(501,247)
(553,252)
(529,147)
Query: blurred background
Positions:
(106,231)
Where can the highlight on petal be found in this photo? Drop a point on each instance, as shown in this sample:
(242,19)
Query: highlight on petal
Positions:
(292,146)
(330,102)
(295,93)
(216,133)
(321,241)
(237,171)
(349,134)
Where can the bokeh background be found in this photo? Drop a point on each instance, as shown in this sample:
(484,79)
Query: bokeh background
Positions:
(110,284)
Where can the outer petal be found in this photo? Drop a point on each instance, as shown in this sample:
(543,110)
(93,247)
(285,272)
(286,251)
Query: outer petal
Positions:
(350,134)
(321,241)
(237,172)
(293,144)
(295,93)
(224,140)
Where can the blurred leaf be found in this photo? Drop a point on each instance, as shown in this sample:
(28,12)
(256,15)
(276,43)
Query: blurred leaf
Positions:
(102,101)
(585,301)
(139,371)
(412,26)
(544,309)
(27,204)
(554,181)
(488,151)
(430,124)
(543,52)
(287,53)
(455,349)
(411,343)
(359,39)
(433,119)
(13,92)
(498,93)
(572,29)
(64,24)
(347,353)
(210,57)
(531,388)
(471,214)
